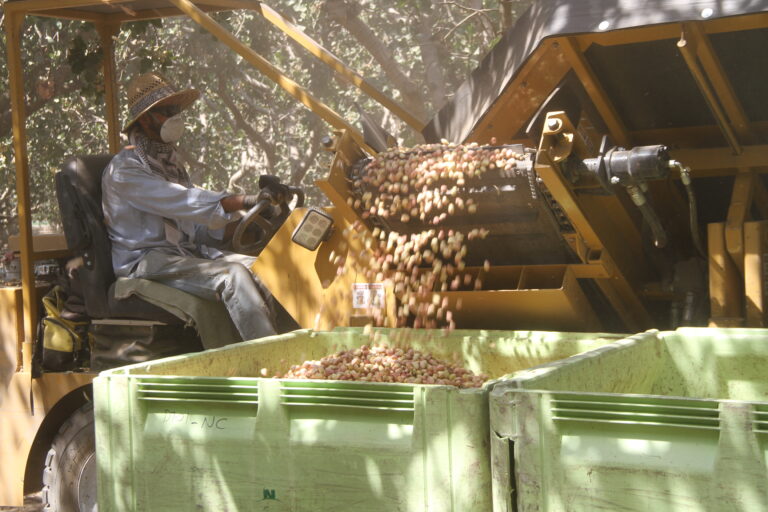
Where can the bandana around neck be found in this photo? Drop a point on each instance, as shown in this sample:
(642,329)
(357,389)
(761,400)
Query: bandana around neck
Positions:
(160,157)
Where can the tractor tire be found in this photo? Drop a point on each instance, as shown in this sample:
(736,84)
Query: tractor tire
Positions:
(69,478)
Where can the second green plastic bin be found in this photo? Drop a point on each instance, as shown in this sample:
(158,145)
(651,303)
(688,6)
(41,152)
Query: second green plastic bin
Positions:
(661,421)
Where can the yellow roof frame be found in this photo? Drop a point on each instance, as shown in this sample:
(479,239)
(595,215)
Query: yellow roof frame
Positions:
(107,16)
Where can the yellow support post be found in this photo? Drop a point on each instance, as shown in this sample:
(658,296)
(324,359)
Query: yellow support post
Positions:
(107,32)
(756,273)
(725,291)
(274,74)
(742,195)
(13,28)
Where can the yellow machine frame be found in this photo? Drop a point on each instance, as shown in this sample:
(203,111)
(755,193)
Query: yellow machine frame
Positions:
(607,238)
(737,248)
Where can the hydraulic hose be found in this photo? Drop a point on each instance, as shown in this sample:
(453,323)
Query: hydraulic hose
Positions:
(685,177)
(659,235)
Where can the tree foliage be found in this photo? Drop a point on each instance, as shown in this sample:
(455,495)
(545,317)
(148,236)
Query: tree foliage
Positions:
(416,51)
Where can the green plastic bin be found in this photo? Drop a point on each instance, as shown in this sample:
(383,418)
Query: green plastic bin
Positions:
(661,421)
(201,432)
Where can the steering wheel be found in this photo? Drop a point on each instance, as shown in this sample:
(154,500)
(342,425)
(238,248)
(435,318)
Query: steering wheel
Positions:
(268,221)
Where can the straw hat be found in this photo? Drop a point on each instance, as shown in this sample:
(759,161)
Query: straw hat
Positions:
(151,90)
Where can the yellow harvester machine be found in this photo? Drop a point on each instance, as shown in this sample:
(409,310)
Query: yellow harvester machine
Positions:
(640,202)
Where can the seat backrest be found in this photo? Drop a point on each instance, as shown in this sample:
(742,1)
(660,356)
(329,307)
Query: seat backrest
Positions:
(78,190)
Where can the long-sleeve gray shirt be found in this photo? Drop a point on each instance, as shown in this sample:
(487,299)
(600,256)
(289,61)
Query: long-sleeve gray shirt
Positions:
(142,211)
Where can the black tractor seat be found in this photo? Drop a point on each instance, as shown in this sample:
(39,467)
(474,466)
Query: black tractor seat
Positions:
(78,190)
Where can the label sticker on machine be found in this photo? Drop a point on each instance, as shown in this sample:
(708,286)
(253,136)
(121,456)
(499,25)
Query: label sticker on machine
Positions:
(367,295)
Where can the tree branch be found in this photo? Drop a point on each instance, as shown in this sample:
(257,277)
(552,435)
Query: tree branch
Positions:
(64,82)
(346,15)
(253,135)
(485,22)
(300,166)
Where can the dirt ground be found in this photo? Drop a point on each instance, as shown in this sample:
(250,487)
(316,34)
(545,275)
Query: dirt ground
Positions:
(32,503)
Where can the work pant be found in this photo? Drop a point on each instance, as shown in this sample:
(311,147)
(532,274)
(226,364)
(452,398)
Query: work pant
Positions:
(227,278)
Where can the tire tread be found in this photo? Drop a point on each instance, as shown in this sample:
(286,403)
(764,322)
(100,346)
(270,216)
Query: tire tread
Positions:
(53,475)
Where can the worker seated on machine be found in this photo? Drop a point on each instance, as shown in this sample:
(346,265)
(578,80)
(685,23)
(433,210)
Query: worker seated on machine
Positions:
(163,228)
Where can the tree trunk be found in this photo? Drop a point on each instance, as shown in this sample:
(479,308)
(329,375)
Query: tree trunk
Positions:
(511,10)
(430,54)
(346,15)
(506,13)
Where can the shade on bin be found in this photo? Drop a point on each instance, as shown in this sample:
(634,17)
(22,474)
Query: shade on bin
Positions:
(662,421)
(202,432)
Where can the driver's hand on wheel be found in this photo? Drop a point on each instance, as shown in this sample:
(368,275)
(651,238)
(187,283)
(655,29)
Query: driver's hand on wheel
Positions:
(271,187)
(250,200)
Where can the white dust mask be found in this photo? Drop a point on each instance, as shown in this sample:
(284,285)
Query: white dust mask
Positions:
(172,129)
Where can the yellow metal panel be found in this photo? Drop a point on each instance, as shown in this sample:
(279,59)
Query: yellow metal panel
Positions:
(756,273)
(549,153)
(545,297)
(52,387)
(14,388)
(725,289)
(24,404)
(18,421)
(611,217)
(17,429)
(41,242)
(621,289)
(315,287)
(11,329)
